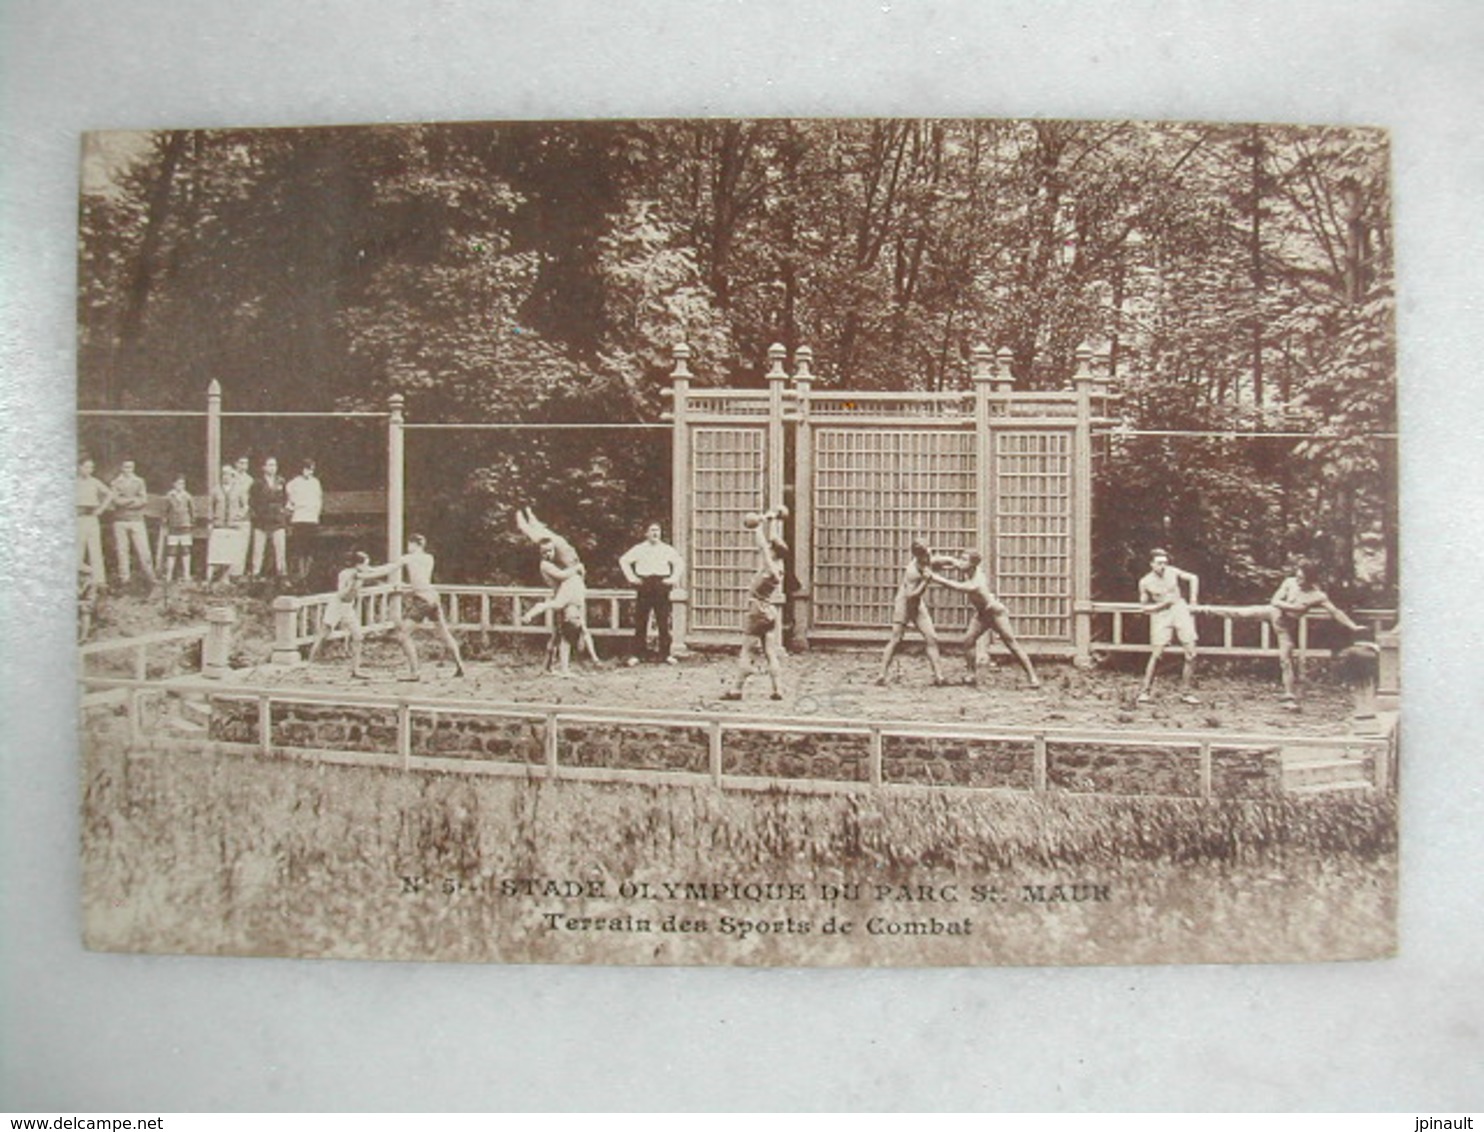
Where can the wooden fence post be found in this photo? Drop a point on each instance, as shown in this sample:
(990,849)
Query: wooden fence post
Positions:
(1082,512)
(396,469)
(773,457)
(1389,668)
(265,725)
(551,744)
(213,437)
(404,733)
(714,751)
(1205,768)
(1039,762)
(984,479)
(680,503)
(1004,377)
(803,533)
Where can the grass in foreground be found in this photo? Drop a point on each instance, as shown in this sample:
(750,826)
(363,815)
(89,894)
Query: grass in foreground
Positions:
(188,852)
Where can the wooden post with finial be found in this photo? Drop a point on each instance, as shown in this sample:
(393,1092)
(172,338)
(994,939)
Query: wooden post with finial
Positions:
(680,494)
(1082,381)
(803,512)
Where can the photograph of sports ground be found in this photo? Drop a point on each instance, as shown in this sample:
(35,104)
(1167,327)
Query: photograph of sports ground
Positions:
(739,542)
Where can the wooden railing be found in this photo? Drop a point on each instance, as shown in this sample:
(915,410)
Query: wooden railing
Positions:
(499,609)
(1235,638)
(483,609)
(99,690)
(717,726)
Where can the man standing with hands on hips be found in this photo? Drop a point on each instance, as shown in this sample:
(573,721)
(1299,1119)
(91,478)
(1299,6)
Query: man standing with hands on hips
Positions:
(654,568)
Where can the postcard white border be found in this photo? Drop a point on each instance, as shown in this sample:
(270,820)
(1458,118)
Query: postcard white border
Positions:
(85,1031)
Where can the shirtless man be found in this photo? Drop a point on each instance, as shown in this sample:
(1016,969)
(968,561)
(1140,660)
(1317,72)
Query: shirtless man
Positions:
(419,602)
(562,569)
(909,608)
(761,618)
(568,602)
(1170,618)
(1297,595)
(990,615)
(344,609)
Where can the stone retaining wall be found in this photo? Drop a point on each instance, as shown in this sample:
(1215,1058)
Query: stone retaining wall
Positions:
(958,762)
(927,760)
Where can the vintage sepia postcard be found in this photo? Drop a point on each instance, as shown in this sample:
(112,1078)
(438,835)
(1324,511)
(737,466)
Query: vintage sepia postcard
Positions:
(780,542)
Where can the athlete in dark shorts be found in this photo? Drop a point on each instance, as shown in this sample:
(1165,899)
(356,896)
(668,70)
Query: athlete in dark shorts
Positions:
(990,616)
(761,618)
(908,608)
(418,602)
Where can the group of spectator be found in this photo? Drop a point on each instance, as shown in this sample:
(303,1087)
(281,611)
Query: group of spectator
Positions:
(245,517)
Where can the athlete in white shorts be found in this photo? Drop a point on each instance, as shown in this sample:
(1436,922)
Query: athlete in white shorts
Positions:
(344,610)
(1170,618)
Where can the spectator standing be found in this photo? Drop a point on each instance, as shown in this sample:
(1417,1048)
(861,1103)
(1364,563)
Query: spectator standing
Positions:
(268,502)
(306,499)
(239,514)
(180,529)
(222,545)
(93,498)
(654,568)
(129,534)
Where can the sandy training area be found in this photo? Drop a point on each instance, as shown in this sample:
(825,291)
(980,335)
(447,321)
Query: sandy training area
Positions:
(839,684)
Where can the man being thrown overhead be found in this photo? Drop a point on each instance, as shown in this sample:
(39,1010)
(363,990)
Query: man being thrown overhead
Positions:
(563,570)
(1170,618)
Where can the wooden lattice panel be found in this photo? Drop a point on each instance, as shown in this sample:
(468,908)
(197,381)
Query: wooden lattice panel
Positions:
(1033,530)
(728,479)
(875,490)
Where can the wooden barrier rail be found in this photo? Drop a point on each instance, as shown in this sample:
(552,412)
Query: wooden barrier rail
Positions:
(483,609)
(498,609)
(551,718)
(1108,633)
(138,651)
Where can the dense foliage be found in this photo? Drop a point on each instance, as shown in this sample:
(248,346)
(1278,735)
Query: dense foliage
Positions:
(1239,277)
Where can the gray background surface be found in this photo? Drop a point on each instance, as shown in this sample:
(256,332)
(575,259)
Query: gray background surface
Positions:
(86,1032)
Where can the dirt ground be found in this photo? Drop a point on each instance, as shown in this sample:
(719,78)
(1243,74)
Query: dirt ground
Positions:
(839,684)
